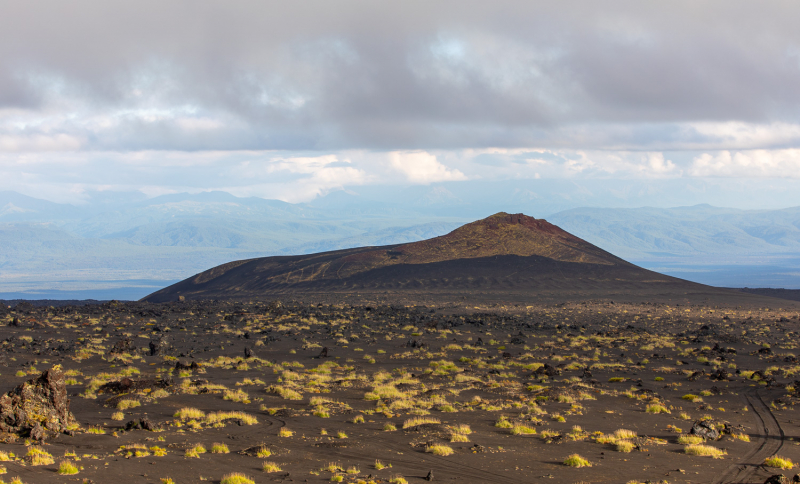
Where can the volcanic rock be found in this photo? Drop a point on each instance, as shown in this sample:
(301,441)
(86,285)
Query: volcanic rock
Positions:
(777,479)
(705,429)
(160,346)
(37,406)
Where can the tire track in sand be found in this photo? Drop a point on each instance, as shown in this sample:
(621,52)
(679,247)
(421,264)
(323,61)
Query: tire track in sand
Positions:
(770,442)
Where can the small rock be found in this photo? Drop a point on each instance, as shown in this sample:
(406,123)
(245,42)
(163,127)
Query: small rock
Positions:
(38,433)
(429,477)
(705,429)
(777,479)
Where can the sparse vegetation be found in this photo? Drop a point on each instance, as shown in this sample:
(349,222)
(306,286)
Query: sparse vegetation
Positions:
(778,462)
(576,460)
(704,450)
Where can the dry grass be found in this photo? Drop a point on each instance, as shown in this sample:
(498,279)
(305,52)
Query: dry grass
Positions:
(37,456)
(67,468)
(270,467)
(625,446)
(439,449)
(219,448)
(576,460)
(778,462)
(189,413)
(236,478)
(704,451)
(417,421)
(690,439)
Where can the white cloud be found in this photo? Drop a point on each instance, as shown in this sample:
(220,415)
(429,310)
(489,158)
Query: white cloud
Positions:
(741,135)
(747,164)
(318,175)
(423,167)
(39,142)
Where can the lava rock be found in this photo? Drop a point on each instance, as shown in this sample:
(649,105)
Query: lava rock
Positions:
(160,346)
(140,424)
(705,429)
(37,406)
(777,479)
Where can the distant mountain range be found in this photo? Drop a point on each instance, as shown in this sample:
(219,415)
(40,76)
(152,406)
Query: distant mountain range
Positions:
(126,245)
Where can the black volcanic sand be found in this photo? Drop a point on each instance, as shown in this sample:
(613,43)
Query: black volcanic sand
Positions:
(477,374)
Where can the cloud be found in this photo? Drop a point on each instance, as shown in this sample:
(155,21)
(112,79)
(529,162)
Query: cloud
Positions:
(422,167)
(397,77)
(748,164)
(39,143)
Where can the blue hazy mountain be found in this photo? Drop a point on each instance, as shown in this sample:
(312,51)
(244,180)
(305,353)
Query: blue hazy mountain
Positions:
(139,244)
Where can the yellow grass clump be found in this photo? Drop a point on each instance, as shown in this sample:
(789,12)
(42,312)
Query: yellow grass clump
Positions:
(217,417)
(270,467)
(704,451)
(218,448)
(576,460)
(37,456)
(189,412)
(417,421)
(779,462)
(657,408)
(67,468)
(128,403)
(439,449)
(690,439)
(625,434)
(625,446)
(520,429)
(195,451)
(236,478)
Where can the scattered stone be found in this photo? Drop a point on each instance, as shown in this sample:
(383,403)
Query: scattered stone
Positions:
(706,429)
(141,424)
(777,479)
(159,347)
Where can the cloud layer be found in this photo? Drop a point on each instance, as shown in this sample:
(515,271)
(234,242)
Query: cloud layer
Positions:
(191,75)
(295,99)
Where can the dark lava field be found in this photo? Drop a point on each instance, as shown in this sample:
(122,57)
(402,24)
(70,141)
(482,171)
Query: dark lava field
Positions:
(237,392)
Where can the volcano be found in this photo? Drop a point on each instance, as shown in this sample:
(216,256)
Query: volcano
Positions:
(511,257)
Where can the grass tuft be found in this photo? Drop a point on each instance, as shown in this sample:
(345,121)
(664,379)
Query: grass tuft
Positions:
(417,421)
(67,468)
(268,466)
(779,462)
(576,460)
(218,448)
(690,439)
(439,449)
(704,451)
(236,478)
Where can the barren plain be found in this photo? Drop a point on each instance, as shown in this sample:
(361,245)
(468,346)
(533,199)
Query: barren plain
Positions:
(290,392)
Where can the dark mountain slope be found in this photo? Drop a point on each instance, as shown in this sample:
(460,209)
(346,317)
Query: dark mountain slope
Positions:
(511,257)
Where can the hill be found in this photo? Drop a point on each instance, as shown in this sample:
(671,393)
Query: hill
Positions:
(503,257)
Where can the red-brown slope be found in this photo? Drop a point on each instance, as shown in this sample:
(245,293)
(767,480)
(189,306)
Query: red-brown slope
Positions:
(503,253)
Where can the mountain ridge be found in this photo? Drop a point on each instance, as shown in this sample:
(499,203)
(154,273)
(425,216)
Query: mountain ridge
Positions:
(503,256)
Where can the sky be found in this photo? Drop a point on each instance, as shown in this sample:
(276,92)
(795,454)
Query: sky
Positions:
(294,100)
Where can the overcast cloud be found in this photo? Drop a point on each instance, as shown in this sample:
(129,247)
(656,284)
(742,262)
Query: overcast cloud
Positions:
(293,99)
